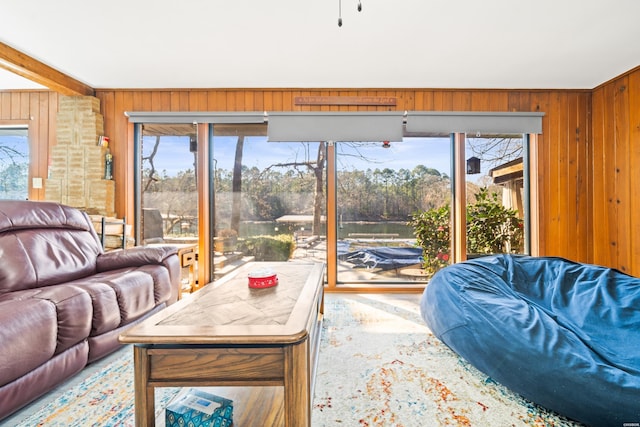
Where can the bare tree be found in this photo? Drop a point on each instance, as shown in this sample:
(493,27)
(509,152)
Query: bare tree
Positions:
(14,170)
(9,154)
(173,196)
(496,151)
(152,175)
(316,166)
(236,186)
(318,172)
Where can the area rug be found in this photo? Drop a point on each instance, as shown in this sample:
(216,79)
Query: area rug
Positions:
(379,365)
(103,399)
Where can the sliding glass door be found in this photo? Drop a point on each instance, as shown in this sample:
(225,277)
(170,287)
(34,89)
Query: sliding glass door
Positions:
(378,213)
(379,187)
(269,199)
(495,196)
(168,185)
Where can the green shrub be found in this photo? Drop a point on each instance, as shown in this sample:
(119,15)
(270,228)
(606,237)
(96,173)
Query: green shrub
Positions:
(268,248)
(432,231)
(491,228)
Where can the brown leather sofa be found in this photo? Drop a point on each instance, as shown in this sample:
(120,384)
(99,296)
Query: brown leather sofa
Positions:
(63,300)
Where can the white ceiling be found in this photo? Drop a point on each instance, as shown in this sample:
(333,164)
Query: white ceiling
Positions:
(520,44)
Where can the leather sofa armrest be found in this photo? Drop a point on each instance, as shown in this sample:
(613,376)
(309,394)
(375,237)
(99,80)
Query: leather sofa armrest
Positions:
(134,257)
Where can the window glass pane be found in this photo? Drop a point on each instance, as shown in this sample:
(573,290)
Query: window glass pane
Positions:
(380,187)
(269,197)
(495,194)
(14,163)
(169,196)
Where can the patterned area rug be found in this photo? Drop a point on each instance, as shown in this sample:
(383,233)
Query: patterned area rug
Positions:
(379,365)
(103,399)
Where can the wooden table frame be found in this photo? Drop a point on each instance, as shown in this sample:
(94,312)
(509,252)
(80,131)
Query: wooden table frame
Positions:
(168,355)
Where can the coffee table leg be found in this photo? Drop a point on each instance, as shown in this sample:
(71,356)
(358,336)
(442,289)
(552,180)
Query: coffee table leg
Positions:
(297,386)
(144,394)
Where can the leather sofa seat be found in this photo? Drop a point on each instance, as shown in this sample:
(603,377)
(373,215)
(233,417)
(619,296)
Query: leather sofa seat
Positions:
(63,300)
(73,311)
(28,336)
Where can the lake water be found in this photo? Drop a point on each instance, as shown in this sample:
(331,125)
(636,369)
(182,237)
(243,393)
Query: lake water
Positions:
(269,228)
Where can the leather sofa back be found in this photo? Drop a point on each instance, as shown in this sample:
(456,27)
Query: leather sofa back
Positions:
(44,243)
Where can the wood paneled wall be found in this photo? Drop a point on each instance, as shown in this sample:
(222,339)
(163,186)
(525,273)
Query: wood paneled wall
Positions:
(616,156)
(564,148)
(573,202)
(38,110)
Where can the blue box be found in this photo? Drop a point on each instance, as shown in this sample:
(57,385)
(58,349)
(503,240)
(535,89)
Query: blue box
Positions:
(199,409)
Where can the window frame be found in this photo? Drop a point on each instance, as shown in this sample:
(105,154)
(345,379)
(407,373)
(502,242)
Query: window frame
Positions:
(455,124)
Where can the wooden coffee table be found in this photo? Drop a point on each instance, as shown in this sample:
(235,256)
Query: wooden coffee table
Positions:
(227,334)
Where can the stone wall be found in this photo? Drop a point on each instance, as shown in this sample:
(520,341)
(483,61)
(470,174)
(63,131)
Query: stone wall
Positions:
(76,170)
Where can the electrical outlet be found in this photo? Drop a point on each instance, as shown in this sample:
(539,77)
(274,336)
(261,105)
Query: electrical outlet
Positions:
(37,183)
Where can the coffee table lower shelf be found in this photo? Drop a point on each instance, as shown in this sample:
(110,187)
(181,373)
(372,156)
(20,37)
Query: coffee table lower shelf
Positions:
(252,406)
(290,367)
(229,335)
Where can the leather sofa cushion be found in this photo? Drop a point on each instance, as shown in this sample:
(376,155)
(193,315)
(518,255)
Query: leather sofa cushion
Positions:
(160,262)
(26,214)
(135,293)
(73,310)
(44,257)
(45,243)
(118,297)
(162,289)
(106,311)
(42,379)
(27,336)
(135,257)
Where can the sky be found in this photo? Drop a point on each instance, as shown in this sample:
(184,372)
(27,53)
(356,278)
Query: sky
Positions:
(174,155)
(14,146)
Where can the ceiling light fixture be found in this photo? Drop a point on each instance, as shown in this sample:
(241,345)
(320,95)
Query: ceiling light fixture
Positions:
(340,11)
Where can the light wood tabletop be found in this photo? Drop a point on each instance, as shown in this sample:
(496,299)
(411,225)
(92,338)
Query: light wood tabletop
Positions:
(228,334)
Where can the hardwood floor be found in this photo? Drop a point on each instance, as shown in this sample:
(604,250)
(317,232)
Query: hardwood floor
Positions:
(252,406)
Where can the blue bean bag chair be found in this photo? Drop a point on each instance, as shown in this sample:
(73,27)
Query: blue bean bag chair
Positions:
(562,334)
